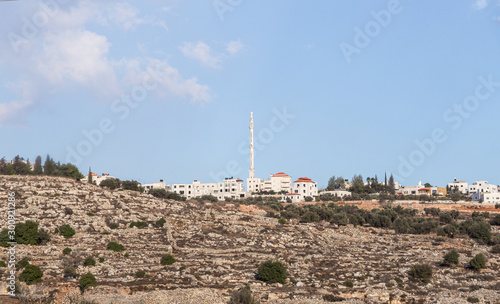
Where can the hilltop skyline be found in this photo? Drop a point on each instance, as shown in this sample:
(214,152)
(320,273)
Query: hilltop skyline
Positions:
(164,90)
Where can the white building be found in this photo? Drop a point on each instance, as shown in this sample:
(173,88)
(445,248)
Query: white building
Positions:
(305,187)
(97,179)
(279,182)
(411,190)
(230,187)
(294,197)
(461,186)
(482,186)
(487,197)
(157,185)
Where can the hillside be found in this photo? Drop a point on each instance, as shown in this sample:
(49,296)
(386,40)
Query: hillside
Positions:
(218,247)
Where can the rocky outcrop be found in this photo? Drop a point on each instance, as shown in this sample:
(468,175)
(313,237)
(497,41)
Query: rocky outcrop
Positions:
(218,247)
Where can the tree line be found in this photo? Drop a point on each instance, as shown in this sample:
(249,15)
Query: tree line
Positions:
(358,186)
(20,166)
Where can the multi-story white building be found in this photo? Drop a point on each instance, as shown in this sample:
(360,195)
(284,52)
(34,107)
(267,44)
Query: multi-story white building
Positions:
(487,197)
(279,183)
(305,187)
(230,187)
(411,190)
(461,186)
(97,179)
(157,185)
(255,184)
(482,186)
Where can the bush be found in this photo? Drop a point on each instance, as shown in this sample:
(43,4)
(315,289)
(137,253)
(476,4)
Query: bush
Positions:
(495,249)
(101,260)
(27,233)
(478,262)
(140,274)
(496,220)
(113,225)
(243,296)
(23,263)
(132,185)
(87,280)
(451,258)
(480,230)
(308,199)
(159,193)
(70,272)
(282,221)
(472,300)
(68,211)
(160,222)
(210,198)
(349,284)
(422,272)
(111,183)
(138,224)
(272,272)
(67,251)
(31,274)
(115,246)
(89,262)
(3,264)
(167,259)
(66,231)
(43,236)
(309,217)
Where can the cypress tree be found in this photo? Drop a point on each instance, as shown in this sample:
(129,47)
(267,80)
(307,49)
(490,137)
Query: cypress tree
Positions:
(38,170)
(48,166)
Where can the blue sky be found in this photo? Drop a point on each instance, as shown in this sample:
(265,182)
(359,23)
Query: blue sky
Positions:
(164,89)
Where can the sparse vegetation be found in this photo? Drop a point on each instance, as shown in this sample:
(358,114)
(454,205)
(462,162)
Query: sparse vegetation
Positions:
(114,246)
(140,274)
(89,261)
(422,272)
(138,224)
(3,264)
(87,280)
(349,284)
(451,258)
(67,250)
(31,274)
(272,272)
(478,262)
(66,231)
(160,222)
(167,259)
(68,211)
(243,296)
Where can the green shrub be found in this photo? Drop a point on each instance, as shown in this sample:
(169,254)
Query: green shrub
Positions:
(43,236)
(67,251)
(243,296)
(126,254)
(113,225)
(451,258)
(478,230)
(167,259)
(140,274)
(422,272)
(272,272)
(495,249)
(101,260)
(478,262)
(27,233)
(160,222)
(282,221)
(159,193)
(68,211)
(496,220)
(115,246)
(87,280)
(111,183)
(31,274)
(66,231)
(349,284)
(138,224)
(472,300)
(3,264)
(70,271)
(308,199)
(90,214)
(89,261)
(23,263)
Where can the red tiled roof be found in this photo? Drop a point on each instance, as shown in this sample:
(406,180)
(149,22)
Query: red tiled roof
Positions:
(280,174)
(292,194)
(239,180)
(303,180)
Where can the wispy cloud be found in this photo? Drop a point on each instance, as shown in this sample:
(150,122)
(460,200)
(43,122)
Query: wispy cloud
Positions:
(201,52)
(480,4)
(234,47)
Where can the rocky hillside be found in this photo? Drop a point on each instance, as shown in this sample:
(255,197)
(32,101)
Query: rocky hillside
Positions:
(218,247)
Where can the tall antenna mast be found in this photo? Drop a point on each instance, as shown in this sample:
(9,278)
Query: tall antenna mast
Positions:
(251,172)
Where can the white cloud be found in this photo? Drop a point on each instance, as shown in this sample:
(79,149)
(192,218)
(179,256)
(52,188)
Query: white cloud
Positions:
(234,47)
(13,110)
(169,80)
(480,4)
(80,56)
(200,52)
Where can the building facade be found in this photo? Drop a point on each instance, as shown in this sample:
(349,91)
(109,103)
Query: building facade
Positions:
(461,186)
(305,187)
(96,178)
(231,188)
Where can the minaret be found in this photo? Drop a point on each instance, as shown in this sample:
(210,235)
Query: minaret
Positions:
(251,172)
